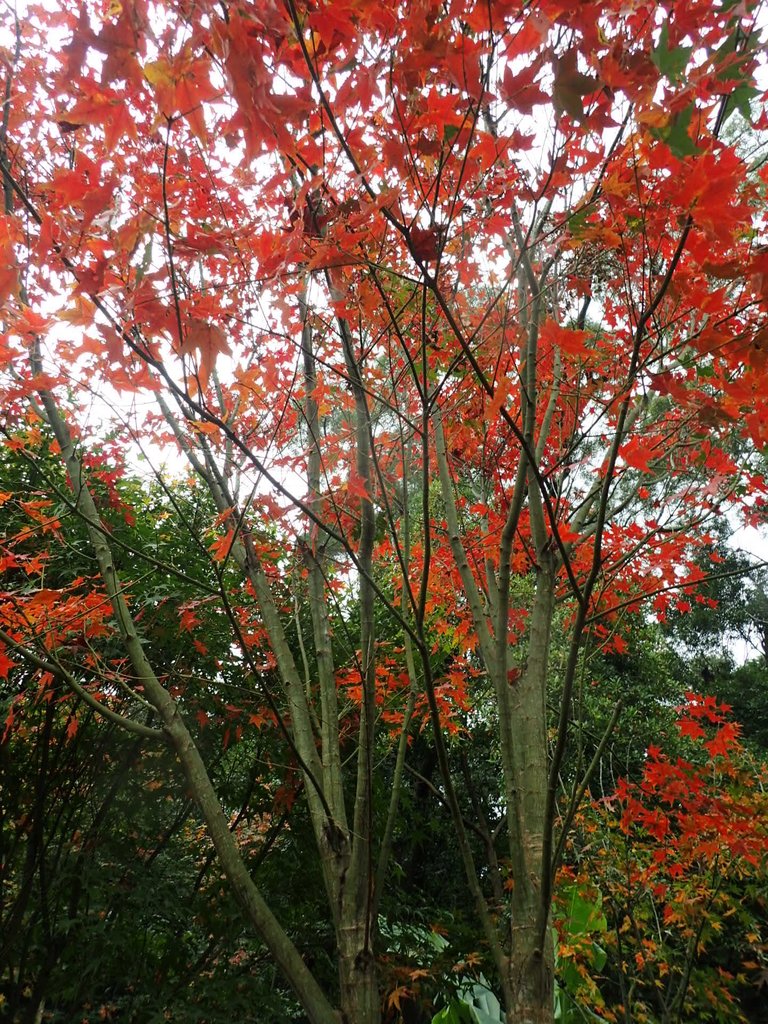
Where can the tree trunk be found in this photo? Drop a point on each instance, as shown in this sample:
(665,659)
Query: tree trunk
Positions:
(531,968)
(358,985)
(531,962)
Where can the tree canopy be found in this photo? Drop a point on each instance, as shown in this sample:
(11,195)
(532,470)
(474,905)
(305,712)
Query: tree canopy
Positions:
(440,332)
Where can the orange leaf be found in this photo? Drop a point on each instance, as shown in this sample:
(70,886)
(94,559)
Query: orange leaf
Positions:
(258,718)
(394,997)
(636,453)
(498,400)
(101,107)
(208,341)
(520,90)
(5,665)
(567,339)
(29,322)
(222,546)
(356,487)
(688,727)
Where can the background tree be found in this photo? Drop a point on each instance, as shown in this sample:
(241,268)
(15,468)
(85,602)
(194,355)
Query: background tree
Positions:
(93,824)
(676,863)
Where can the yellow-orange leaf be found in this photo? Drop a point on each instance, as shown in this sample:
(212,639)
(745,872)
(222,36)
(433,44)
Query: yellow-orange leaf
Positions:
(222,546)
(206,341)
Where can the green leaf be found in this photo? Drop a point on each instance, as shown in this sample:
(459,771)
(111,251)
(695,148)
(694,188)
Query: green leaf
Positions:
(670,62)
(584,916)
(675,134)
(599,956)
(577,222)
(741,100)
(568,1011)
(456,1012)
(485,1007)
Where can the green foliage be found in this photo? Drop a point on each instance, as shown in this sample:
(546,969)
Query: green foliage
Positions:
(111,906)
(670,60)
(579,957)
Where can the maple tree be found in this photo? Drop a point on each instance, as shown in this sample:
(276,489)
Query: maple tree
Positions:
(674,866)
(454,310)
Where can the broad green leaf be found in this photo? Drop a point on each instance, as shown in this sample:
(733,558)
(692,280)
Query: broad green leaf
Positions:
(675,134)
(670,62)
(584,916)
(456,1012)
(741,100)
